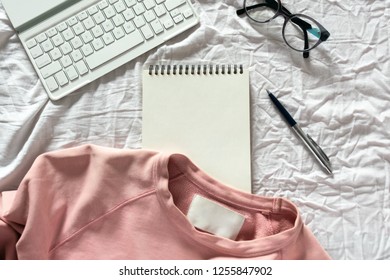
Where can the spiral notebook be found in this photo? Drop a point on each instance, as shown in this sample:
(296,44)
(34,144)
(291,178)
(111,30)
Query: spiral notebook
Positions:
(202,112)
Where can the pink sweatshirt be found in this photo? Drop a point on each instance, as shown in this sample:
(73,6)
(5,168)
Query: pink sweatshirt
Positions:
(92,202)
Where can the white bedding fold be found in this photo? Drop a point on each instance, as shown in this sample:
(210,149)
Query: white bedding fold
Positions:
(340,96)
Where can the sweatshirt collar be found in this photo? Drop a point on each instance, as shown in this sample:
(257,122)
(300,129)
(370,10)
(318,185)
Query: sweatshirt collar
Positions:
(225,195)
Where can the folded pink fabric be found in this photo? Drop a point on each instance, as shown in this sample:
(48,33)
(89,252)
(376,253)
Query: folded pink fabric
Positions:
(92,202)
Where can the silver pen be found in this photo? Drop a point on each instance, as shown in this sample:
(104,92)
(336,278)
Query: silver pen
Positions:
(306,139)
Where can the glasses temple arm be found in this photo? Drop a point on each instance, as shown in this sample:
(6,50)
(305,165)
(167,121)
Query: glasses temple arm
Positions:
(240,12)
(306,44)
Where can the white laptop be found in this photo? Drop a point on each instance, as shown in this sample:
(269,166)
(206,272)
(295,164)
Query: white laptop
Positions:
(73,42)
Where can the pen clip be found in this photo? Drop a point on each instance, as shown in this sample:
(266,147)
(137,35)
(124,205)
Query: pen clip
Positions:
(318,147)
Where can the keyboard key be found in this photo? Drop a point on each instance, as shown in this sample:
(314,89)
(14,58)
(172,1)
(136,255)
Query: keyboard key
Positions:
(92,10)
(66,48)
(43,60)
(112,1)
(97,31)
(61,78)
(51,32)
(87,49)
(178,19)
(149,16)
(62,26)
(76,55)
(97,44)
(78,28)
(68,34)
(139,9)
(36,51)
(51,84)
(57,40)
(81,67)
(55,54)
(149,4)
(109,12)
(102,4)
(119,7)
(118,20)
(147,32)
(139,21)
(128,14)
(130,3)
(47,46)
(168,24)
(129,27)
(172,4)
(41,37)
(71,73)
(188,13)
(108,38)
(31,43)
(116,48)
(99,17)
(108,26)
(88,23)
(160,10)
(82,16)
(76,43)
(157,27)
(87,37)
(51,69)
(72,21)
(66,61)
(175,12)
(118,33)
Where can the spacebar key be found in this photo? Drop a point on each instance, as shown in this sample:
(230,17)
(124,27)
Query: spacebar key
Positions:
(116,48)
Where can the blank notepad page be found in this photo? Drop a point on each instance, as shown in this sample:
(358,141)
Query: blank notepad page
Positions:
(202,112)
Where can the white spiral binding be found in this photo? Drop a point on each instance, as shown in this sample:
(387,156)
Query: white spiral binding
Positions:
(195,69)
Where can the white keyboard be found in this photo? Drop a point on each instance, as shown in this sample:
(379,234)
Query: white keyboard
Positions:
(102,37)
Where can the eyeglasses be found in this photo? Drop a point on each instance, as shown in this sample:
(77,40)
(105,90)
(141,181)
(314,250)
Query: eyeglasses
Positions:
(300,32)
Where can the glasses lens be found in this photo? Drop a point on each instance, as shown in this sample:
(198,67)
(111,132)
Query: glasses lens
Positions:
(301,33)
(261,10)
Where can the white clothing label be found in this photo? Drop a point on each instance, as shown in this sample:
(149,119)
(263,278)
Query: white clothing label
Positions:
(214,218)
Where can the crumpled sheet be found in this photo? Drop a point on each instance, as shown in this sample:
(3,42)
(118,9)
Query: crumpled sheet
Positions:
(340,96)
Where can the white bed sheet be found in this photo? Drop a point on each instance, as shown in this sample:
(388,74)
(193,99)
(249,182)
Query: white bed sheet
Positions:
(340,95)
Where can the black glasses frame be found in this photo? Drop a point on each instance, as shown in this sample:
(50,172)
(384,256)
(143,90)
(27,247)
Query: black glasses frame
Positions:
(280,10)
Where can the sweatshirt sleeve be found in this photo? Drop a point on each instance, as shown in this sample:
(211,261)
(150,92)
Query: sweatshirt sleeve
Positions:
(9,235)
(66,190)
